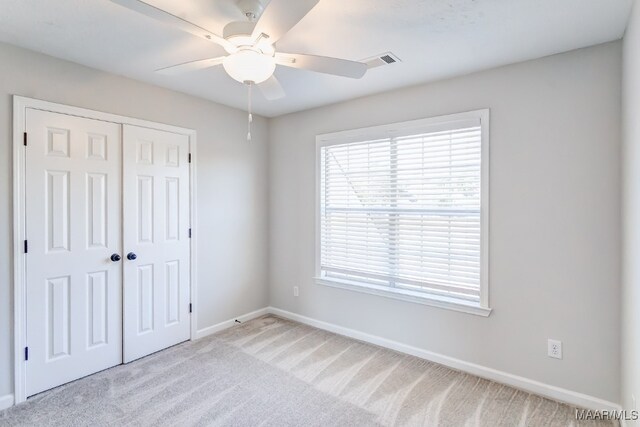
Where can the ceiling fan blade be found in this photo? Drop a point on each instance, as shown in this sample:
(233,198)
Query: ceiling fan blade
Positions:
(323,64)
(271,89)
(191,66)
(167,18)
(280,16)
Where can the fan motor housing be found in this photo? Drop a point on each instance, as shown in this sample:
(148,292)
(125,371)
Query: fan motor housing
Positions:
(239,33)
(237,29)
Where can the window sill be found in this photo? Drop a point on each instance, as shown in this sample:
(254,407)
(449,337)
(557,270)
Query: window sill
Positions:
(405,295)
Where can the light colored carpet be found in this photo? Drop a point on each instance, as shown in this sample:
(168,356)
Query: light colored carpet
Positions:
(275,372)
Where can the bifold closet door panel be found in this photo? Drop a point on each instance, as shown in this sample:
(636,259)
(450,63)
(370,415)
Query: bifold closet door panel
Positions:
(73,226)
(156,240)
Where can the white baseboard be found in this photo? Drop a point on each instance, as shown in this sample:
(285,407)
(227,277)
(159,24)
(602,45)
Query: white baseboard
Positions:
(6,401)
(201,333)
(522,383)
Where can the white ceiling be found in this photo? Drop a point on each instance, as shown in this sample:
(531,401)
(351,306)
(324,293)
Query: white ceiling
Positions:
(433,38)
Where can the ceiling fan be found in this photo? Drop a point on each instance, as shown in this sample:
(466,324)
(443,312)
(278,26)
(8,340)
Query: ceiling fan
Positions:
(250,45)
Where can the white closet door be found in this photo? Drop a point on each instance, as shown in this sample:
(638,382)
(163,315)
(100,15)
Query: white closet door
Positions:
(156,240)
(73,226)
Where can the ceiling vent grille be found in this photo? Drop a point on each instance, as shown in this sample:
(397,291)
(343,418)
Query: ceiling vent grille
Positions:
(382,59)
(388,59)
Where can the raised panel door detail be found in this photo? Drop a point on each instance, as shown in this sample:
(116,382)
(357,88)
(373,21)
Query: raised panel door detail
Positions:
(96,147)
(73,186)
(173,208)
(145,298)
(144,152)
(172,278)
(145,209)
(97,305)
(57,218)
(173,156)
(96,210)
(156,283)
(58,319)
(58,142)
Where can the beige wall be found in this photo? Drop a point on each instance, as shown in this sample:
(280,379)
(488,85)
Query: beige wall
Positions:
(232,180)
(631,215)
(555,214)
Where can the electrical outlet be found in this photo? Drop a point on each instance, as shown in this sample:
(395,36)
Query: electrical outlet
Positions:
(554,349)
(296,291)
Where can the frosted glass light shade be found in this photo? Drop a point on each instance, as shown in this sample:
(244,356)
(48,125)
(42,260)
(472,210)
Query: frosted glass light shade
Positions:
(249,66)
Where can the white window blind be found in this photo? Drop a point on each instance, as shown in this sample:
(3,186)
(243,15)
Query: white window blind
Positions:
(402,212)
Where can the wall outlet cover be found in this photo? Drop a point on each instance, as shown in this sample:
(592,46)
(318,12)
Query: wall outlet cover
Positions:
(296,291)
(554,349)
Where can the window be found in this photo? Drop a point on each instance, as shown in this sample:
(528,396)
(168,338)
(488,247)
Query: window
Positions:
(403,210)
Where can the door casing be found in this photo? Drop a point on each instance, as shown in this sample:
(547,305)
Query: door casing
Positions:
(20,104)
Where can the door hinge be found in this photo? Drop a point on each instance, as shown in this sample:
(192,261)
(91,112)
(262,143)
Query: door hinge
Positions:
(24,139)
(189,156)
(189,233)
(190,308)
(26,354)
(26,247)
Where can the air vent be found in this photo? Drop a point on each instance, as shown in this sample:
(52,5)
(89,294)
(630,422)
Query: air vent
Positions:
(388,59)
(382,59)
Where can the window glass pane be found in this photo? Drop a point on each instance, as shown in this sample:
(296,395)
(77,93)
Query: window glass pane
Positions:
(404,212)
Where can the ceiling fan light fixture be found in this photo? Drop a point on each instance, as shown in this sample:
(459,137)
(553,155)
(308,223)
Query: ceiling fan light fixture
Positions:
(248,65)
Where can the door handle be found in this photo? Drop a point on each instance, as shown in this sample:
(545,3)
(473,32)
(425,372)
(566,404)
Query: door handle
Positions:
(115,258)
(131,256)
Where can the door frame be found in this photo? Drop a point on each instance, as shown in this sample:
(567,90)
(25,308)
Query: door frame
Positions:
(20,105)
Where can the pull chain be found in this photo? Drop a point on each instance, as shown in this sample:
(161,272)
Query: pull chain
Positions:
(250,119)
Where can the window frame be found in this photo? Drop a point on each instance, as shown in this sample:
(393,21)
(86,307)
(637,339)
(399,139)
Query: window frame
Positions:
(431,124)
